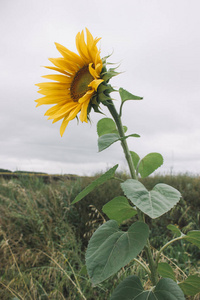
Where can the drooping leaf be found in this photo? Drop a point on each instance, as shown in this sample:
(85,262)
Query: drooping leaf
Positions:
(150,163)
(153,203)
(166,271)
(174,229)
(103,178)
(191,286)
(131,289)
(119,209)
(110,249)
(107,140)
(135,158)
(125,95)
(193,237)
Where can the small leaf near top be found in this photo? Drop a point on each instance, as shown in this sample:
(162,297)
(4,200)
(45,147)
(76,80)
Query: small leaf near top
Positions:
(125,95)
(105,125)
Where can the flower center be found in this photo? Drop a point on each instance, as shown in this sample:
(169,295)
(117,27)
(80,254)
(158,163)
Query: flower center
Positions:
(79,85)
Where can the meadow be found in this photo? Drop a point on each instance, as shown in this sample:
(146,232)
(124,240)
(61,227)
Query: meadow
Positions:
(43,238)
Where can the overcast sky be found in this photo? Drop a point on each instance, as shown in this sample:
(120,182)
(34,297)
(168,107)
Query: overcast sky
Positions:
(157,44)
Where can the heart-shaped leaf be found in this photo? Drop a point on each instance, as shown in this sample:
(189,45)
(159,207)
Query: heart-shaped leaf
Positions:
(103,178)
(191,286)
(149,164)
(132,289)
(119,209)
(110,249)
(154,203)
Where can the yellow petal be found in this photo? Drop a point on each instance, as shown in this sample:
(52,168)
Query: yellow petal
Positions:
(74,112)
(60,78)
(69,55)
(81,47)
(63,126)
(51,85)
(86,97)
(95,83)
(83,114)
(58,70)
(64,65)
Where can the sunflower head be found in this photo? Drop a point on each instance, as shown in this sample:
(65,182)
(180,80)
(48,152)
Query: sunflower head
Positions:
(74,90)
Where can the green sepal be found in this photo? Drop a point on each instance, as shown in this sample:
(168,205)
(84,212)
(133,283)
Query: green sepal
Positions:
(107,75)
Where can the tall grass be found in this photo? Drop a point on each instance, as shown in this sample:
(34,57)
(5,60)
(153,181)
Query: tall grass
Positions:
(43,238)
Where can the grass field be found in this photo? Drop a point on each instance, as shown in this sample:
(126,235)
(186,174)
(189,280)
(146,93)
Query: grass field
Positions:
(43,238)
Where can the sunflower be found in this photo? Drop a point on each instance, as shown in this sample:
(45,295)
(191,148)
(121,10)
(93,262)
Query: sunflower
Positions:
(77,83)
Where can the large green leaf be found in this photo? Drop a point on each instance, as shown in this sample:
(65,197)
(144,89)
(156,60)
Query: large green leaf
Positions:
(110,249)
(103,178)
(119,209)
(150,163)
(153,203)
(193,237)
(165,270)
(132,289)
(191,286)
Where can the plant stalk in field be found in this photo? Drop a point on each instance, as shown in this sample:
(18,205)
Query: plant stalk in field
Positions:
(83,84)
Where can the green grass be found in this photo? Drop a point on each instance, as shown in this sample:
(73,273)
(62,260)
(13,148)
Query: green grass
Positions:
(43,238)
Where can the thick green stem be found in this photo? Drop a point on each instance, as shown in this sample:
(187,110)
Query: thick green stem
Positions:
(116,117)
(118,122)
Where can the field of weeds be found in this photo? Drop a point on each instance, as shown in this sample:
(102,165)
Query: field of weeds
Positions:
(43,238)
